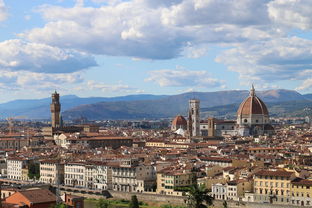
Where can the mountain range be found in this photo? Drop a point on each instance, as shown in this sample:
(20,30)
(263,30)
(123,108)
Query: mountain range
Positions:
(145,106)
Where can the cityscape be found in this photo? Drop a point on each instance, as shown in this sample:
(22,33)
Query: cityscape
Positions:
(155,104)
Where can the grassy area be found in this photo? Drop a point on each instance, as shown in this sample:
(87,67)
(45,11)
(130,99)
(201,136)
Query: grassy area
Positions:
(121,203)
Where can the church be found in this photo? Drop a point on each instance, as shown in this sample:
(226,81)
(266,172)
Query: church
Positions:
(253,117)
(252,120)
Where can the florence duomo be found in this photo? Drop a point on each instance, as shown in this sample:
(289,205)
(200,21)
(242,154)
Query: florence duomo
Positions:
(155,103)
(252,120)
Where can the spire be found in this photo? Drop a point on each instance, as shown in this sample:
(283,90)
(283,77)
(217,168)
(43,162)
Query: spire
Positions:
(252,91)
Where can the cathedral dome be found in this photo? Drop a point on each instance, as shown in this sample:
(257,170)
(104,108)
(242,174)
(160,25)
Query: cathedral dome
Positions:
(179,121)
(252,105)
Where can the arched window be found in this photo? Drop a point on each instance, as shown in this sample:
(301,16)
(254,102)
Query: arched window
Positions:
(245,120)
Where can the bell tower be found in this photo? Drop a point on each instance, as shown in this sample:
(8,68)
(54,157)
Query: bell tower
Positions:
(55,110)
(193,118)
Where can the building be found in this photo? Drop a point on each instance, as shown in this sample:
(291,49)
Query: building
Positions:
(253,117)
(213,127)
(34,198)
(98,175)
(16,168)
(130,176)
(55,110)
(273,186)
(52,172)
(179,122)
(100,141)
(301,192)
(219,191)
(75,174)
(194,118)
(73,201)
(14,143)
(236,189)
(171,181)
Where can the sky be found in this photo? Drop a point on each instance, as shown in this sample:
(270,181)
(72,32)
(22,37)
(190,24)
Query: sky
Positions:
(112,48)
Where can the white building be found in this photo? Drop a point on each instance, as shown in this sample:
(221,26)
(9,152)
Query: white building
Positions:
(52,172)
(16,167)
(75,174)
(219,191)
(129,176)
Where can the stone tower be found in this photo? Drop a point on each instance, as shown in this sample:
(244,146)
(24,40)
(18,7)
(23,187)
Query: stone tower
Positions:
(211,127)
(55,110)
(193,118)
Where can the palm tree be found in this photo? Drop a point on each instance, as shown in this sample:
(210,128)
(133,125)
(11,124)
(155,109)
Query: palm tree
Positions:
(198,197)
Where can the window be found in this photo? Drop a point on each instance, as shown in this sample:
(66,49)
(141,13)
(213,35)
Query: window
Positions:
(245,120)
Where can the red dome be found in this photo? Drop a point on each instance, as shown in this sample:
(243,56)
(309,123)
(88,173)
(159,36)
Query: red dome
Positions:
(252,105)
(179,121)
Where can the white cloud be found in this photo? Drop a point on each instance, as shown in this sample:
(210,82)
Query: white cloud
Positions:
(272,60)
(305,85)
(94,85)
(3,11)
(211,12)
(16,55)
(24,80)
(292,13)
(183,78)
(153,29)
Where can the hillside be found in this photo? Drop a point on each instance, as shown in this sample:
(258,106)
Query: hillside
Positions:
(177,104)
(40,108)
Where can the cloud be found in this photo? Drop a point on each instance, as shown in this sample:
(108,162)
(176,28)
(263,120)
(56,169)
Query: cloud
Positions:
(94,85)
(272,60)
(211,12)
(152,29)
(18,55)
(305,85)
(25,80)
(290,13)
(3,11)
(183,78)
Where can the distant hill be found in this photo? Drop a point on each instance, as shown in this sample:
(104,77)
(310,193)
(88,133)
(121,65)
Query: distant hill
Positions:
(170,106)
(40,108)
(145,105)
(308,96)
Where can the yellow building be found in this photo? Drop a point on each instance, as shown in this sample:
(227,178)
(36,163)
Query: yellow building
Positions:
(301,192)
(172,182)
(273,186)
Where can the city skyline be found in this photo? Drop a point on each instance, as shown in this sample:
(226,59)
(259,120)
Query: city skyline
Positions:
(114,47)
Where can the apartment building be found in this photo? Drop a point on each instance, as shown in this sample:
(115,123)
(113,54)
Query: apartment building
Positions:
(301,192)
(51,171)
(99,175)
(171,181)
(273,186)
(131,176)
(75,174)
(16,168)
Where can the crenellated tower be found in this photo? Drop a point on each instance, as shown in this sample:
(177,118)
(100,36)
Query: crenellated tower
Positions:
(55,110)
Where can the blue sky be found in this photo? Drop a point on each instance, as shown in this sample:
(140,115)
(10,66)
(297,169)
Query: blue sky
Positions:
(115,47)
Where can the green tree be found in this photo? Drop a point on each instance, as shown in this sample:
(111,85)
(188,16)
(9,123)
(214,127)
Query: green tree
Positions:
(198,197)
(34,170)
(102,204)
(134,203)
(225,205)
